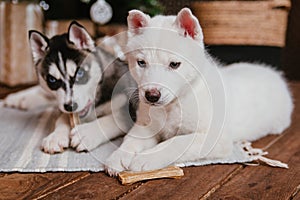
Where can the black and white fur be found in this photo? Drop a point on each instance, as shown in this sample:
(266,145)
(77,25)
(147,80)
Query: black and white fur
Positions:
(78,77)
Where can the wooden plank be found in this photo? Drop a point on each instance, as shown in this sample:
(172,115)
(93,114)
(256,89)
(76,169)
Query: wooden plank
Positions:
(96,186)
(196,182)
(263,182)
(266,182)
(31,185)
(264,142)
(296,195)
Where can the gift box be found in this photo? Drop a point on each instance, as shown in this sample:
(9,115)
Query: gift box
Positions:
(16,66)
(256,22)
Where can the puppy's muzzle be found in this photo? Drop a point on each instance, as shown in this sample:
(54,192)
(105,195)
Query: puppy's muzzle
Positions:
(70,107)
(152,95)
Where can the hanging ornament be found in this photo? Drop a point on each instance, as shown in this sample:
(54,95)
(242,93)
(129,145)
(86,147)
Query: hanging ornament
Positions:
(101,12)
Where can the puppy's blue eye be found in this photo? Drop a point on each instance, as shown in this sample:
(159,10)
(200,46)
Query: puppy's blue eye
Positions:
(80,73)
(51,79)
(53,83)
(174,65)
(82,76)
(141,63)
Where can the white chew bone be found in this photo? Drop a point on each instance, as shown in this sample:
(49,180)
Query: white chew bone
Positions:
(74,120)
(132,177)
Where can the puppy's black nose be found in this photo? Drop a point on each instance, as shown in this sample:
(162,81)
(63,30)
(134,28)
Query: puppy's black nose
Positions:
(152,95)
(71,106)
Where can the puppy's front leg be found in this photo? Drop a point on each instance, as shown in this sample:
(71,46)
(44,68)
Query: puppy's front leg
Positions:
(138,139)
(28,99)
(87,136)
(114,121)
(180,149)
(56,141)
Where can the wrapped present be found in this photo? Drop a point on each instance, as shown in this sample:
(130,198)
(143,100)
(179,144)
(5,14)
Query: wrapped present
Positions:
(239,22)
(16,66)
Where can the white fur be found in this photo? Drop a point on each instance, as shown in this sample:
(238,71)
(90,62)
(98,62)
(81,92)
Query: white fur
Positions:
(203,108)
(87,136)
(58,140)
(28,99)
(53,71)
(71,69)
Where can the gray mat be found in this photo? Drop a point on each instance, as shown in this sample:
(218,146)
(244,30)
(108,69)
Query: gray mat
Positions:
(20,138)
(22,132)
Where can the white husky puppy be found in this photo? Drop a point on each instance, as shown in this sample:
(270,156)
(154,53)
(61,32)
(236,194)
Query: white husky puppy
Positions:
(190,108)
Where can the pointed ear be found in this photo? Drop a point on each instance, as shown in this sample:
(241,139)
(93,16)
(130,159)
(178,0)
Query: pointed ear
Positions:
(80,37)
(38,43)
(187,22)
(137,19)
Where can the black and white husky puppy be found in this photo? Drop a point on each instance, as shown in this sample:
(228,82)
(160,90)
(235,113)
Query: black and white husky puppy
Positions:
(80,78)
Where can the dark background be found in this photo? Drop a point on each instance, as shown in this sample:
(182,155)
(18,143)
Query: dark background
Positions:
(290,57)
(286,59)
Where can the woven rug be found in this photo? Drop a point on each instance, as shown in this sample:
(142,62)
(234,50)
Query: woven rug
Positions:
(22,132)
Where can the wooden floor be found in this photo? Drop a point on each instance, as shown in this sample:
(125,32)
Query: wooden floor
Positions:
(208,182)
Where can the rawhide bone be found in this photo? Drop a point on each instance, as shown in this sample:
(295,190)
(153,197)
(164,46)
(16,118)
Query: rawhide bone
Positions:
(74,119)
(127,177)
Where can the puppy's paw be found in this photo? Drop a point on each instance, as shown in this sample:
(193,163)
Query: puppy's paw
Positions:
(119,161)
(56,142)
(29,99)
(19,100)
(86,137)
(143,162)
